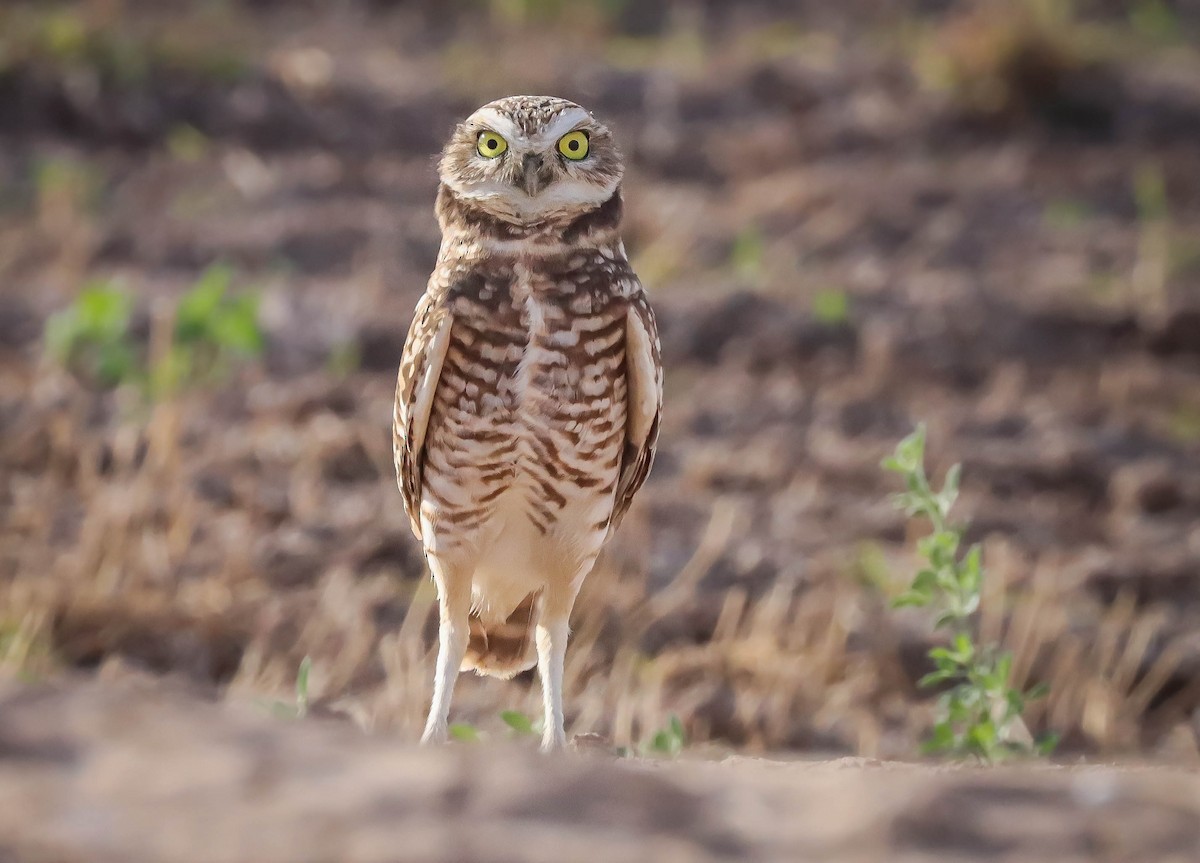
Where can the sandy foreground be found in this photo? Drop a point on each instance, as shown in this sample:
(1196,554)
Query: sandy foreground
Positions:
(128,772)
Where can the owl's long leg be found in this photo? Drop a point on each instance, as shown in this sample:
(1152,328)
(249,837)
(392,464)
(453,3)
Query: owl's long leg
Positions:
(454,605)
(552,651)
(551,636)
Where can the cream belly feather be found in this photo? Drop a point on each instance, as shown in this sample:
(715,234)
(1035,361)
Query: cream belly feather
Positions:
(516,559)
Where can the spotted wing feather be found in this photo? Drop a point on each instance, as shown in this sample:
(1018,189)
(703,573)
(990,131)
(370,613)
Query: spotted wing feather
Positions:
(643,369)
(420,369)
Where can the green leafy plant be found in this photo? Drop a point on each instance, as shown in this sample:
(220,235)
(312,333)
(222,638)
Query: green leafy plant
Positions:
(831,307)
(464,732)
(521,725)
(212,330)
(668,742)
(91,336)
(979,714)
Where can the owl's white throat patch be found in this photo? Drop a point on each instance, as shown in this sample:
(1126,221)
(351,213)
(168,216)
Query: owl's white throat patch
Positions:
(563,197)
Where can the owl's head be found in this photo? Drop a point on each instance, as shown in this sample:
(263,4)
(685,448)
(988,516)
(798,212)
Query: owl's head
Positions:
(530,159)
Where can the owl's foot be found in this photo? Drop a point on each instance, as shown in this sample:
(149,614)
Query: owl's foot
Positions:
(435,733)
(554,740)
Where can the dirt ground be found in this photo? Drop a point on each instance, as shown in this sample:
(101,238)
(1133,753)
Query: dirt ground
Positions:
(851,218)
(137,772)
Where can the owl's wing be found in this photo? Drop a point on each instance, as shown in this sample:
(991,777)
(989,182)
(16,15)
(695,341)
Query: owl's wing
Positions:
(420,369)
(644,379)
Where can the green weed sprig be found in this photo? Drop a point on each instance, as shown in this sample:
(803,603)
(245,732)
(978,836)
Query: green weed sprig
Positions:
(298,708)
(667,742)
(980,713)
(212,330)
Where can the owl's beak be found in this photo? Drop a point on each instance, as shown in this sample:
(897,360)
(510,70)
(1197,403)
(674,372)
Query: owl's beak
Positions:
(532,179)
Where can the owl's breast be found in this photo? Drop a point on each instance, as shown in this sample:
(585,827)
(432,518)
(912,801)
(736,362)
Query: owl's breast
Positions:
(569,391)
(531,404)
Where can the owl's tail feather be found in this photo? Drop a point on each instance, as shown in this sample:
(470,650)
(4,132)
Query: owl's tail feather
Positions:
(505,649)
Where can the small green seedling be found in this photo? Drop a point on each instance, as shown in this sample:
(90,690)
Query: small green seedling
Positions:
(298,709)
(521,725)
(668,742)
(464,732)
(91,336)
(831,307)
(211,331)
(980,714)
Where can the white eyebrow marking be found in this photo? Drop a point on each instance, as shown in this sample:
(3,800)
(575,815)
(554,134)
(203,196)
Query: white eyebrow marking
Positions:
(498,123)
(510,132)
(563,123)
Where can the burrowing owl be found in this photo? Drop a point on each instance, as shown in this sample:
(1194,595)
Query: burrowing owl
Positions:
(527,407)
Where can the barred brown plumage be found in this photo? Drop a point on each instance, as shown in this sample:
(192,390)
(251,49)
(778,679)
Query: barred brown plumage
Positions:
(529,393)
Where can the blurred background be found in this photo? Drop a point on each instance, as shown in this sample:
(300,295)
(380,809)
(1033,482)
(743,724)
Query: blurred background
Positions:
(216,218)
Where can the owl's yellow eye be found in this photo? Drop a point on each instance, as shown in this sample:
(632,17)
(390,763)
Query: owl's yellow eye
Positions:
(574,145)
(490,145)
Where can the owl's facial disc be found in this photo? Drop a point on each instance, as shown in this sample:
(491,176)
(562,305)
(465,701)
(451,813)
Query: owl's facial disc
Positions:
(527,167)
